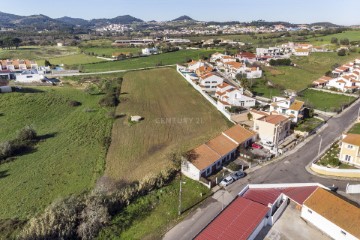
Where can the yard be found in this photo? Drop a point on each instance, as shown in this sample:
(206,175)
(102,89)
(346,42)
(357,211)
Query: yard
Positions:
(36,52)
(325,101)
(259,88)
(308,124)
(355,129)
(108,51)
(75,60)
(176,119)
(68,160)
(331,158)
(150,216)
(150,61)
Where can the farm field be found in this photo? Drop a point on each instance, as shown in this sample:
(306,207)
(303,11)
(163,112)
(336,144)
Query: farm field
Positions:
(176,119)
(352,35)
(308,69)
(108,51)
(68,160)
(325,101)
(151,61)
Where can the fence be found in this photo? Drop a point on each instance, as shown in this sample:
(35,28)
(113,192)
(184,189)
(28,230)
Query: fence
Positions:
(278,212)
(204,94)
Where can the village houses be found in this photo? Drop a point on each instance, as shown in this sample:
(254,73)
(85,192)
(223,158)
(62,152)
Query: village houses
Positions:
(229,96)
(288,106)
(350,149)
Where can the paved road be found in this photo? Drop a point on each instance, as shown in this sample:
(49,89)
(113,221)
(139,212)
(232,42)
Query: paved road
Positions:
(290,169)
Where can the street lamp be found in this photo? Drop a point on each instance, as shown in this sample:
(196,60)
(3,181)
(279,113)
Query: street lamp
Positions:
(320,144)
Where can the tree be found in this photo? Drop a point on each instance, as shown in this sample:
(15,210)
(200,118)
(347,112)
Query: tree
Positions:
(344,41)
(16,42)
(47,63)
(334,40)
(341,52)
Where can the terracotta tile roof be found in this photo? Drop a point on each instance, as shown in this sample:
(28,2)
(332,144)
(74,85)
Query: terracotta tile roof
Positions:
(238,221)
(274,119)
(340,81)
(259,112)
(296,105)
(222,145)
(220,93)
(204,157)
(239,134)
(224,103)
(353,139)
(204,69)
(247,55)
(336,210)
(234,64)
(263,196)
(206,75)
(223,85)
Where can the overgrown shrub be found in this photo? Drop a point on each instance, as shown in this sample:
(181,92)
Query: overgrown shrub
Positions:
(74,103)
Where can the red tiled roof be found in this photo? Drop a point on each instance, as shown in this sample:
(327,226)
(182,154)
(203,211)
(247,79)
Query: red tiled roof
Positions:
(237,221)
(299,194)
(263,196)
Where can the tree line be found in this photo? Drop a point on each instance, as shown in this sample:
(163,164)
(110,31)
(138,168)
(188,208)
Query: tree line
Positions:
(10,42)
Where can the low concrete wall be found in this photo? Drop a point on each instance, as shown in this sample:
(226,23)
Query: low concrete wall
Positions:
(333,92)
(330,114)
(278,212)
(350,173)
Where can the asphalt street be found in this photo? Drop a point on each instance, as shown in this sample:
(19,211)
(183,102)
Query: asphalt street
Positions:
(290,169)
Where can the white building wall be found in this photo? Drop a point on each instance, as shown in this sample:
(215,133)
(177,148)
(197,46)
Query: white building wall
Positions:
(189,170)
(29,78)
(325,225)
(258,229)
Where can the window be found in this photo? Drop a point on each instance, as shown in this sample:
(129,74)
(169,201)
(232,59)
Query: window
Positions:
(208,171)
(207,82)
(309,211)
(343,233)
(29,76)
(214,81)
(350,146)
(347,158)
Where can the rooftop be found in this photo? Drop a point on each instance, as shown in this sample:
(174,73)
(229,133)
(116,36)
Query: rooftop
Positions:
(204,156)
(352,138)
(222,145)
(239,134)
(237,221)
(296,105)
(336,210)
(273,119)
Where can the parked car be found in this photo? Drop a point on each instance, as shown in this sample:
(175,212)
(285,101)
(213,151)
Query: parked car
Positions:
(226,181)
(237,175)
(255,145)
(267,143)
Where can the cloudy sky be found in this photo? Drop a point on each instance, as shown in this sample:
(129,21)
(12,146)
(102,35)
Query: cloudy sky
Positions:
(295,11)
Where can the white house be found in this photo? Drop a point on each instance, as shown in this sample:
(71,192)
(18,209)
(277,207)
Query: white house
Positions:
(149,51)
(334,216)
(289,107)
(209,82)
(209,157)
(29,76)
(194,65)
(300,52)
(229,96)
(216,57)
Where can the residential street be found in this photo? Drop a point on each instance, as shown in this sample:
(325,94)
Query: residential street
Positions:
(290,169)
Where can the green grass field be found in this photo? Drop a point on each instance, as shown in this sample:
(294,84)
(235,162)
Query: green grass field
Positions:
(108,51)
(150,216)
(325,101)
(259,88)
(176,119)
(352,35)
(37,52)
(151,61)
(75,59)
(68,160)
(308,69)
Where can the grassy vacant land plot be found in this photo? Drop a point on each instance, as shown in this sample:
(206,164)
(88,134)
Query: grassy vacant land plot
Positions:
(36,52)
(352,35)
(355,129)
(259,88)
(75,59)
(151,61)
(308,124)
(176,118)
(150,216)
(308,69)
(325,101)
(68,160)
(108,51)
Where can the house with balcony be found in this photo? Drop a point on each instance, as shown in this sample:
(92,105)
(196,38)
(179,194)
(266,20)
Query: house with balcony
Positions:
(350,149)
(229,96)
(272,128)
(290,107)
(209,81)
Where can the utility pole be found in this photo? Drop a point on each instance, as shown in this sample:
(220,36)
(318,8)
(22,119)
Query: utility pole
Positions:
(180,193)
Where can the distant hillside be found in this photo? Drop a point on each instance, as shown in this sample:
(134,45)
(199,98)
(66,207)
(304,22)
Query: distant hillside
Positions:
(74,21)
(183,18)
(126,19)
(325,24)
(6,19)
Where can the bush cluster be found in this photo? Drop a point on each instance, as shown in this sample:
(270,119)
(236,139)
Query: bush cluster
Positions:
(24,141)
(112,90)
(280,62)
(83,216)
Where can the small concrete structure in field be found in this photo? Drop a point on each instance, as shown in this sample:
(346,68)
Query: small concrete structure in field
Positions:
(136,118)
